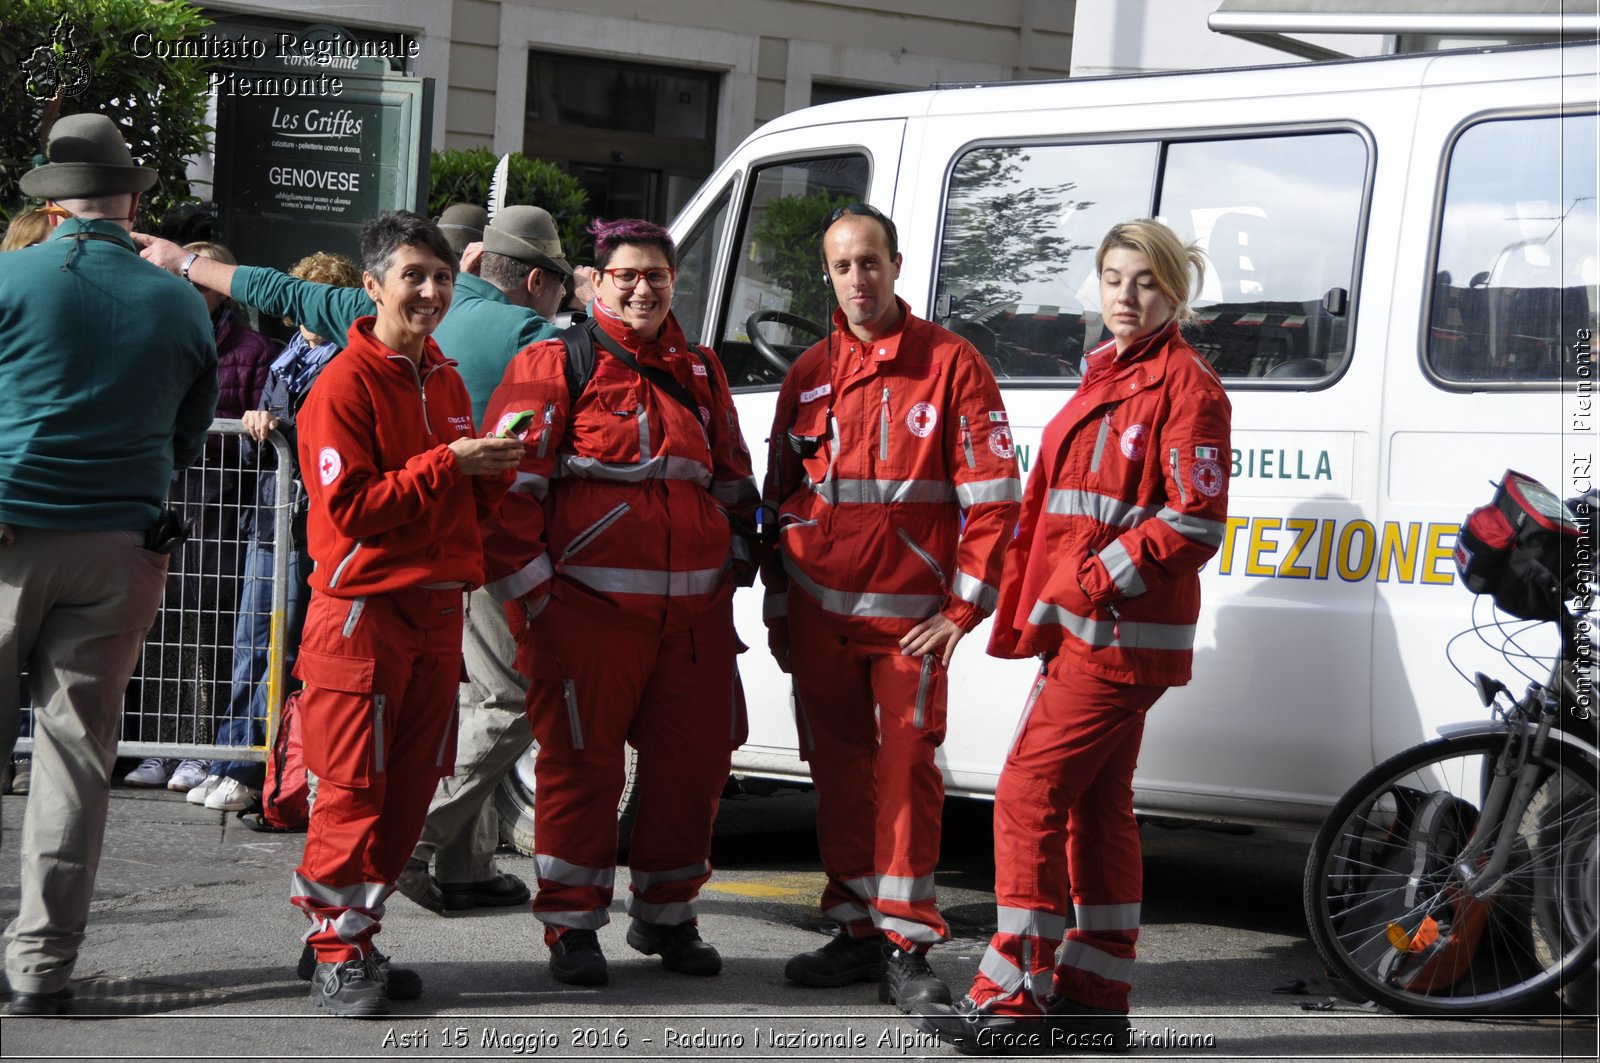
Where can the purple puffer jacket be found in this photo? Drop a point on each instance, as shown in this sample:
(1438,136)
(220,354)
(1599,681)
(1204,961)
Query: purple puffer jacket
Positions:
(243,358)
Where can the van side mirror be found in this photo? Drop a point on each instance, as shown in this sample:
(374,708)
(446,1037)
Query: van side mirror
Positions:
(1336,301)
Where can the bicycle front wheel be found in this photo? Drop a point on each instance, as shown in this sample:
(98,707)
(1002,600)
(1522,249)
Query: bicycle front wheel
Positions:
(1399,914)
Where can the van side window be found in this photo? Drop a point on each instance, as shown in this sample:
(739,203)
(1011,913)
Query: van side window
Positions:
(697,256)
(778,264)
(1517,271)
(1016,258)
(1278,216)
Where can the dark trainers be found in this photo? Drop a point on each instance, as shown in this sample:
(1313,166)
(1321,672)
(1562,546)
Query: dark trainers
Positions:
(421,888)
(975,1033)
(678,945)
(1078,1027)
(841,961)
(499,892)
(399,983)
(576,959)
(348,990)
(908,982)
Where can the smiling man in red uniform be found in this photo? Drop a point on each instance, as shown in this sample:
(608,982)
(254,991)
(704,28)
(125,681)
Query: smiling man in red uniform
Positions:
(888,433)
(397,485)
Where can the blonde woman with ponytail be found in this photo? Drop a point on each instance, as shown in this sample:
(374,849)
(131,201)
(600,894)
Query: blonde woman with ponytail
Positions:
(1128,500)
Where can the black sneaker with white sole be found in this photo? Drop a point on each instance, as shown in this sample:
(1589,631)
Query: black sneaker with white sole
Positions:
(348,990)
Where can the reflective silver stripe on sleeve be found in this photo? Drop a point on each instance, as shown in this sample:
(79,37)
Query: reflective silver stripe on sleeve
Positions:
(1095,917)
(1046,925)
(527,483)
(1086,957)
(661,467)
(733,492)
(1136,634)
(865,603)
(979,593)
(1121,569)
(1004,489)
(774,605)
(647,580)
(1110,511)
(521,581)
(881,492)
(555,869)
(1205,532)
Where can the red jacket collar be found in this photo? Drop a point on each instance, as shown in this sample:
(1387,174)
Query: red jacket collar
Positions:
(669,344)
(884,348)
(363,341)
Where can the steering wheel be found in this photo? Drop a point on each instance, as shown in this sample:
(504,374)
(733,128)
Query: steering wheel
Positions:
(752,328)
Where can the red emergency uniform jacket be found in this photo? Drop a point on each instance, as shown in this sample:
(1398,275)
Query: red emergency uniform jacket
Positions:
(905,436)
(1128,500)
(625,501)
(390,506)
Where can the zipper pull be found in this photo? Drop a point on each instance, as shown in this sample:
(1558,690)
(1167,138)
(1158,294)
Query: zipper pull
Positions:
(1116,624)
(883,435)
(966,443)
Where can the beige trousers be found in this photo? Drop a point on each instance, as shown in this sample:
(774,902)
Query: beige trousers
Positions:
(74,610)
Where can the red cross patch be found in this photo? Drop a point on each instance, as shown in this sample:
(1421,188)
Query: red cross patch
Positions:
(329,465)
(921,419)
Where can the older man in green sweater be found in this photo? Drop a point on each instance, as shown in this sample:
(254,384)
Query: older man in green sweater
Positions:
(108,380)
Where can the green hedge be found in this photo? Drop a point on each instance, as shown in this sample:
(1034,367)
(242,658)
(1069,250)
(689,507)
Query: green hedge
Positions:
(159,104)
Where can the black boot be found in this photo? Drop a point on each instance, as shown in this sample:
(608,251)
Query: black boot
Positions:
(841,961)
(576,959)
(908,982)
(678,945)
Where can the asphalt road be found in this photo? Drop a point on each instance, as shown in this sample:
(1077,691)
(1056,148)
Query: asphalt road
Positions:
(192,944)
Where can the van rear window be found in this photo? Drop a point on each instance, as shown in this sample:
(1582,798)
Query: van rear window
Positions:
(1279,217)
(1516,271)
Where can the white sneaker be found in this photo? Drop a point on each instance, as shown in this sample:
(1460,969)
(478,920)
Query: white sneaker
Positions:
(229,795)
(198,793)
(190,773)
(152,771)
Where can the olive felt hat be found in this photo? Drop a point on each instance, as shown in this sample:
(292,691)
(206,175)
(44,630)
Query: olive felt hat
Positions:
(87,158)
(527,234)
(462,224)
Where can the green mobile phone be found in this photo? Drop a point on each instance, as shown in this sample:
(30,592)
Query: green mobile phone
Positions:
(516,425)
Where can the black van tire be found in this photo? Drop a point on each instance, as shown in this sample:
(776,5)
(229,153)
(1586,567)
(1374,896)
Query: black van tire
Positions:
(515,797)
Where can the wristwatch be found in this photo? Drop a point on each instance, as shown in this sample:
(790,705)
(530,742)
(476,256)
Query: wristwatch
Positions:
(184,269)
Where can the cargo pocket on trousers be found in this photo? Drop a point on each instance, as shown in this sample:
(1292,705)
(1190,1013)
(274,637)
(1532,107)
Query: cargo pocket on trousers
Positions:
(928,707)
(341,717)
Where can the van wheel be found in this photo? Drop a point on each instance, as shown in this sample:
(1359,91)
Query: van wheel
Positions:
(514,801)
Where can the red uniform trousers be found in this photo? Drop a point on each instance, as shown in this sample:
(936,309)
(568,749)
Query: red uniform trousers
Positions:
(597,686)
(879,794)
(378,722)
(1064,808)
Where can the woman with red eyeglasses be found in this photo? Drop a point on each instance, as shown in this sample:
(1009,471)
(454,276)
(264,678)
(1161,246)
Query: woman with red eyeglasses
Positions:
(617,553)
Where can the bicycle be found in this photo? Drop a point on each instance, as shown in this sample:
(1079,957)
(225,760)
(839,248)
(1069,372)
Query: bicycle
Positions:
(1462,875)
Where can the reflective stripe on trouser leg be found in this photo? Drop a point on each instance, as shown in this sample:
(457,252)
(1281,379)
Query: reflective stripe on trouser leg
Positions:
(833,693)
(373,791)
(1014,976)
(910,693)
(685,743)
(588,678)
(1065,801)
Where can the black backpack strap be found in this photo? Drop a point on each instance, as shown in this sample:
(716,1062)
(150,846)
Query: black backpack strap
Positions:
(580,358)
(665,381)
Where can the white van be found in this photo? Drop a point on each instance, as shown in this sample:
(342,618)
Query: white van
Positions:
(1402,287)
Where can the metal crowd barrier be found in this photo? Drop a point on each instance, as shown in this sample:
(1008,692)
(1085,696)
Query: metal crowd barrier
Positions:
(179,694)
